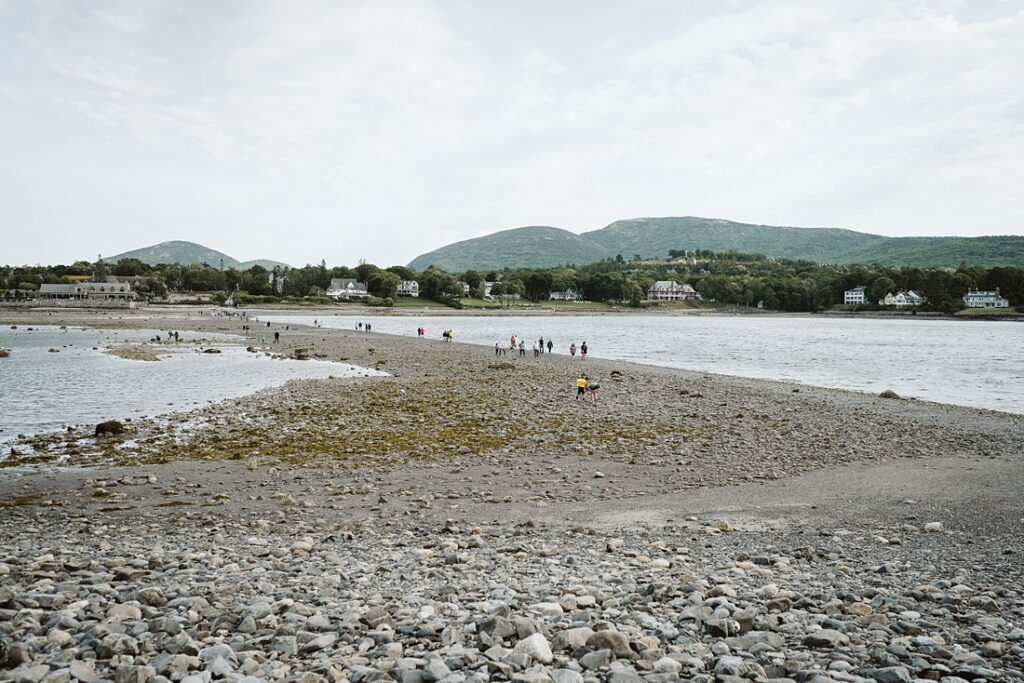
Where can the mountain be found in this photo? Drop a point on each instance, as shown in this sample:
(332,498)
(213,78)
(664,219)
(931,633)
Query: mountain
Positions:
(187,253)
(533,246)
(654,237)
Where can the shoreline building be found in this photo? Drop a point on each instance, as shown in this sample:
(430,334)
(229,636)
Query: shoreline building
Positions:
(567,295)
(854,296)
(408,288)
(902,299)
(978,299)
(670,290)
(87,291)
(346,288)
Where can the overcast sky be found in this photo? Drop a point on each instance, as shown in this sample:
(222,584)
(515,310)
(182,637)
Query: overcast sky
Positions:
(337,130)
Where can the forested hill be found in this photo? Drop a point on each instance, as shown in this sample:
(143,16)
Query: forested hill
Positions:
(654,237)
(188,253)
(536,246)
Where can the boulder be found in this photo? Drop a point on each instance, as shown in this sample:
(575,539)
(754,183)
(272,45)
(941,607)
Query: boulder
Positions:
(110,427)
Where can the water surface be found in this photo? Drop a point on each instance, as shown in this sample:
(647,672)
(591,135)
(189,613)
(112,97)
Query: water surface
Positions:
(42,391)
(971,363)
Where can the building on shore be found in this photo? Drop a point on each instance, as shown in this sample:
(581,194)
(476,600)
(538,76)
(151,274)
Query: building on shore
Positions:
(346,288)
(408,288)
(978,299)
(567,295)
(88,291)
(670,290)
(902,299)
(857,295)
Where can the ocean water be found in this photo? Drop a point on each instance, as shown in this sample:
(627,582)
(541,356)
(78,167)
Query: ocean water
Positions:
(971,363)
(42,391)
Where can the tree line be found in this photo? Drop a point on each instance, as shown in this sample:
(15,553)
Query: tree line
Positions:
(723,277)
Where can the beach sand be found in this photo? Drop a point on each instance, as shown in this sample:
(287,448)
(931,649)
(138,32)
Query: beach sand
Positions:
(393,526)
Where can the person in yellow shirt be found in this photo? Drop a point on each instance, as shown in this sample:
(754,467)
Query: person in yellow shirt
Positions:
(581,387)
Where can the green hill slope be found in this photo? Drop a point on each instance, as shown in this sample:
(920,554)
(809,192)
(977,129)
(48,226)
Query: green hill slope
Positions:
(533,246)
(654,237)
(187,253)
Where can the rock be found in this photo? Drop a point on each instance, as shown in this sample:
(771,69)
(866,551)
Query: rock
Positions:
(617,642)
(110,428)
(934,527)
(320,643)
(436,670)
(667,665)
(572,638)
(565,676)
(83,671)
(826,637)
(134,674)
(892,674)
(536,646)
(889,393)
(730,665)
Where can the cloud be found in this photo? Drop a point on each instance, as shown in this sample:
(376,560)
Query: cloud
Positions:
(401,116)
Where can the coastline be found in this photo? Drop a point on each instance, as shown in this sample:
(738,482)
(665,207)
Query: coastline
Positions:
(466,471)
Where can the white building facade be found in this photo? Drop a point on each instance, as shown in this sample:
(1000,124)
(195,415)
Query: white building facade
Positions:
(408,288)
(346,288)
(976,299)
(857,295)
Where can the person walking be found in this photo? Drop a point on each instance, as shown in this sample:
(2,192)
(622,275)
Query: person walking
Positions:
(572,349)
(522,348)
(581,387)
(497,349)
(277,337)
(536,349)
(551,345)
(583,351)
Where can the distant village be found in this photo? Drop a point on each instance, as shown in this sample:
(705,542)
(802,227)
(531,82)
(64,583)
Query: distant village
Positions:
(687,278)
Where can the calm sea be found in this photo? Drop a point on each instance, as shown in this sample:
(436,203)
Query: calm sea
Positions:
(971,363)
(42,391)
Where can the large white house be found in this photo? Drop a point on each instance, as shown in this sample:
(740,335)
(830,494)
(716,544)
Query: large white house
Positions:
(670,290)
(567,295)
(346,288)
(408,288)
(976,299)
(856,295)
(902,299)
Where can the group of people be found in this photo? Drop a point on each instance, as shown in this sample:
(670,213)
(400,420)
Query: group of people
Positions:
(364,327)
(585,388)
(583,350)
(448,335)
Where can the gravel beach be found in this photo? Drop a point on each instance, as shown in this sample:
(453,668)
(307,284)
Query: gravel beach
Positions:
(465,519)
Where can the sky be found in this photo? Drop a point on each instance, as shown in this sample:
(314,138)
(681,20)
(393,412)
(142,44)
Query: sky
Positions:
(345,130)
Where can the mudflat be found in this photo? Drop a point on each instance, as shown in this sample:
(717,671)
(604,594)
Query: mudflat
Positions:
(467,519)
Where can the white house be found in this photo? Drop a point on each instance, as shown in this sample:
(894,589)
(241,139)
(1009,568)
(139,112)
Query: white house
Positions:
(976,299)
(567,295)
(855,296)
(346,288)
(670,290)
(488,286)
(408,288)
(902,299)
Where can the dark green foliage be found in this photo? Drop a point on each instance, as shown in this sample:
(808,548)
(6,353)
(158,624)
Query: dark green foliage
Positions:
(532,247)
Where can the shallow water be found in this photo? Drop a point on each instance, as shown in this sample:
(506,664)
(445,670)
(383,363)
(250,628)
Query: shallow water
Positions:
(42,391)
(971,363)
